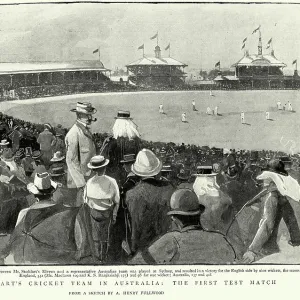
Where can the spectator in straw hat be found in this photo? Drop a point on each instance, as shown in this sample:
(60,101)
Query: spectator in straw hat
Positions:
(101,198)
(44,233)
(3,145)
(46,140)
(58,159)
(188,242)
(148,201)
(80,148)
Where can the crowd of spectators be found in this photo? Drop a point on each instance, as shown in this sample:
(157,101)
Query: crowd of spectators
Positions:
(22,157)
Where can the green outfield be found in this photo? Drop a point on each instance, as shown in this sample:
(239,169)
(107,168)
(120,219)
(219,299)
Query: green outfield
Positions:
(225,130)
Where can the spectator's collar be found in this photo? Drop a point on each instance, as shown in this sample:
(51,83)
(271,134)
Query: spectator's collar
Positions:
(82,124)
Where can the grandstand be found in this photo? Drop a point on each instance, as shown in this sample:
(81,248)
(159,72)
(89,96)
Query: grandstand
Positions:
(23,80)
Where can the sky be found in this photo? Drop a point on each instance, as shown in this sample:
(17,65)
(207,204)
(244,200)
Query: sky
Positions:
(200,34)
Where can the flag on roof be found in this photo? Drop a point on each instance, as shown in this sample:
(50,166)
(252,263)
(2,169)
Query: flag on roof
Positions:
(217,64)
(168,47)
(294,62)
(95,51)
(269,43)
(154,37)
(255,30)
(244,40)
(141,47)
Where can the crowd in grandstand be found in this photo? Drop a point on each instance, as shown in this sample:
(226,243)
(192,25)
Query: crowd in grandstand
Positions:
(72,197)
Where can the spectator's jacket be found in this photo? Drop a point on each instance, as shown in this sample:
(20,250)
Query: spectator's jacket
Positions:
(148,203)
(45,140)
(190,245)
(80,148)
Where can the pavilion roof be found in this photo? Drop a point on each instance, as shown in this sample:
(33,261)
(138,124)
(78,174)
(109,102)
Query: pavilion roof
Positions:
(42,67)
(259,60)
(153,61)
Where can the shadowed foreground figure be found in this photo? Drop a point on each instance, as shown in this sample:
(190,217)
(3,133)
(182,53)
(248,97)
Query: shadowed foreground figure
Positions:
(148,201)
(45,232)
(188,242)
(280,187)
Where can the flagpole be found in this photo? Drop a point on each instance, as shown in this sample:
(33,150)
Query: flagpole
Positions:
(170,50)
(99,54)
(144,51)
(157,38)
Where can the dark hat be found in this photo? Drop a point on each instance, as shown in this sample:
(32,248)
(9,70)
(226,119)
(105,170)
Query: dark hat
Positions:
(183,175)
(166,169)
(57,171)
(205,171)
(122,114)
(277,166)
(185,202)
(128,158)
(36,154)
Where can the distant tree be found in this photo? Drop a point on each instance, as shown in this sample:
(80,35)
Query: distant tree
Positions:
(203,74)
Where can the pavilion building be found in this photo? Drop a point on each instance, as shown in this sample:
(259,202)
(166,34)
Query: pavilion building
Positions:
(156,72)
(255,71)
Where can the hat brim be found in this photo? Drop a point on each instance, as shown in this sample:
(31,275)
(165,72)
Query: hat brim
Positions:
(127,161)
(184,213)
(90,166)
(35,191)
(128,118)
(94,110)
(147,174)
(56,175)
(183,177)
(36,157)
(57,159)
(205,175)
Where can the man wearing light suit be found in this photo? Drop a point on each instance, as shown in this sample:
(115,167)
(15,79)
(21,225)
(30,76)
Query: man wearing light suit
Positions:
(80,148)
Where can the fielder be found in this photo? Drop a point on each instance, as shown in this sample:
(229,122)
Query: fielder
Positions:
(243,117)
(161,109)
